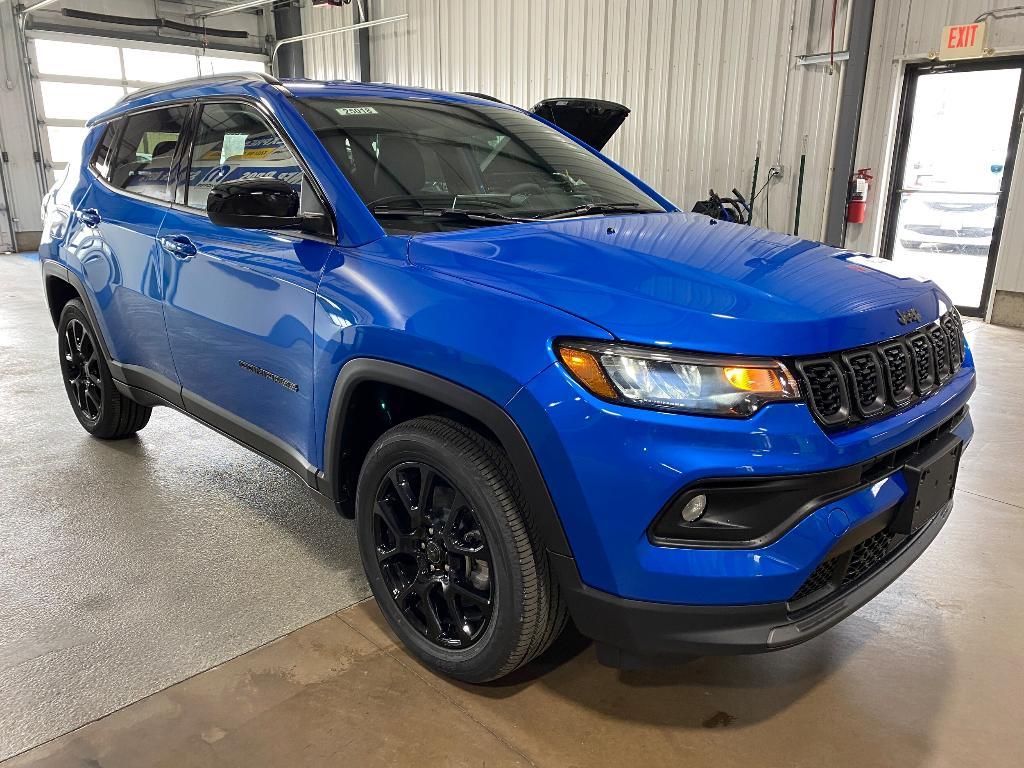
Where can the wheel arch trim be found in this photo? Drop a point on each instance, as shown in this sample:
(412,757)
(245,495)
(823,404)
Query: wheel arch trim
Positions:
(55,270)
(490,414)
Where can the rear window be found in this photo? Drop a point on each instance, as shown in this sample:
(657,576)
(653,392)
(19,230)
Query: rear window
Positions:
(145,152)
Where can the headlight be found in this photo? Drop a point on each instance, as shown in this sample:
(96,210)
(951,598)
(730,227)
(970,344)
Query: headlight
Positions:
(677,381)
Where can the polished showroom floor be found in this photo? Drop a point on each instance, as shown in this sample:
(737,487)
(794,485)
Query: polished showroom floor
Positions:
(173,600)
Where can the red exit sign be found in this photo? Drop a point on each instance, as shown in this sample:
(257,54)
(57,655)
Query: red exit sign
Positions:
(963,41)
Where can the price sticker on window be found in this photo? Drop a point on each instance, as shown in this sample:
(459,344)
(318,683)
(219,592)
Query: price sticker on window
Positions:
(346,111)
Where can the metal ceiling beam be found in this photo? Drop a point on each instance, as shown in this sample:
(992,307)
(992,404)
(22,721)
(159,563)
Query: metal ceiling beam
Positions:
(851,100)
(228,9)
(288,24)
(363,42)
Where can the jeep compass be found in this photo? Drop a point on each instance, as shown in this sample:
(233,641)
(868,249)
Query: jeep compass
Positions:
(541,390)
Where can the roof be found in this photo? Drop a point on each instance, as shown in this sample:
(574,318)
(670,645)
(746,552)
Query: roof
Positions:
(255,83)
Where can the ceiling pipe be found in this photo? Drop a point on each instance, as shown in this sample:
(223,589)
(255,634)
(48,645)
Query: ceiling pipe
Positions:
(37,7)
(314,35)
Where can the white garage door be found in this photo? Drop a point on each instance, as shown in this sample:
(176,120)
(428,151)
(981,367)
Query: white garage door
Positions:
(77,79)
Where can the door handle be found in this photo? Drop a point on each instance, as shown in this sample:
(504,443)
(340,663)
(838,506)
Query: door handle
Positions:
(90,217)
(179,246)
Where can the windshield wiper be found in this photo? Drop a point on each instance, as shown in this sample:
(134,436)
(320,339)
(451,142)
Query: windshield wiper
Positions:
(448,213)
(582,210)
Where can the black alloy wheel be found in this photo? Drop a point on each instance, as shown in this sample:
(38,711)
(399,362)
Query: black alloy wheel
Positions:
(98,405)
(433,555)
(450,551)
(82,370)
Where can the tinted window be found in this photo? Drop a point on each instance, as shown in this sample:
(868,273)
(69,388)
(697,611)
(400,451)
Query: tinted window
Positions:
(416,155)
(101,159)
(145,153)
(234,142)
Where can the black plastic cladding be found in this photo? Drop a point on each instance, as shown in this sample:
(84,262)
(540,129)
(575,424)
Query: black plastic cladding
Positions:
(857,385)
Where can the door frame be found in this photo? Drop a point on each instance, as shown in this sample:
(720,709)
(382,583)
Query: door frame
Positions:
(902,142)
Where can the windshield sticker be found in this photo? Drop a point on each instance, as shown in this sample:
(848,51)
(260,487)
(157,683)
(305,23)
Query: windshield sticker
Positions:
(345,111)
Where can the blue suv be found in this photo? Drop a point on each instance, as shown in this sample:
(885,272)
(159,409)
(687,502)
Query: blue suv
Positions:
(541,390)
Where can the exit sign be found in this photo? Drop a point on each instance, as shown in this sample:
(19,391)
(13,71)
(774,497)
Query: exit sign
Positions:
(963,41)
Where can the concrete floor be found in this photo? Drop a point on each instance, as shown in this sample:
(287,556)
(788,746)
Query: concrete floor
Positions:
(178,551)
(128,566)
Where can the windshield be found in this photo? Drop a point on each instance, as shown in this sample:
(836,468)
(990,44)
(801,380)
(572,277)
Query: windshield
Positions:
(428,166)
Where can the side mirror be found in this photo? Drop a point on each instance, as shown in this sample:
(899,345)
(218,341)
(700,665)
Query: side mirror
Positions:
(255,204)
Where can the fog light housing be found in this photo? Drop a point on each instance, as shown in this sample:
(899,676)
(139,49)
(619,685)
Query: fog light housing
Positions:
(694,508)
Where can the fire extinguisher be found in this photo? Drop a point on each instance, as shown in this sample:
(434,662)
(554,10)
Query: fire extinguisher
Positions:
(857,204)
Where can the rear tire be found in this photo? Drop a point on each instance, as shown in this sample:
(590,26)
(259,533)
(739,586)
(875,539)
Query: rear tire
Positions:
(102,410)
(457,570)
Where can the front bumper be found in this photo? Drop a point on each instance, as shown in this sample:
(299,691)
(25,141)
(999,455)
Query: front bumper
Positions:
(610,471)
(632,632)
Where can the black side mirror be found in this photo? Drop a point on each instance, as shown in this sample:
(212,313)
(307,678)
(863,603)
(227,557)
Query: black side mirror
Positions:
(255,204)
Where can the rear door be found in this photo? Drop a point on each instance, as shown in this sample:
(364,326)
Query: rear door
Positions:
(239,303)
(113,241)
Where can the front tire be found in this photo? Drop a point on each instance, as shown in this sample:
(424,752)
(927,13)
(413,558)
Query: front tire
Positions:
(448,547)
(102,410)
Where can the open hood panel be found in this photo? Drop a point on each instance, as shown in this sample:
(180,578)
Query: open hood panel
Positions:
(590,120)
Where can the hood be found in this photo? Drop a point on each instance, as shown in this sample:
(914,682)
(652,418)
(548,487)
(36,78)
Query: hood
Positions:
(690,282)
(590,120)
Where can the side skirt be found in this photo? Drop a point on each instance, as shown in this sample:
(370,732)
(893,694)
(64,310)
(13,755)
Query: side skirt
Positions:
(151,389)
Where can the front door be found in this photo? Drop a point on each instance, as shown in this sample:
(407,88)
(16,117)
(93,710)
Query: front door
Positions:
(239,302)
(958,135)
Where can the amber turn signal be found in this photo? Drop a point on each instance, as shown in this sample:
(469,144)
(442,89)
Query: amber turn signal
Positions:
(584,366)
(755,379)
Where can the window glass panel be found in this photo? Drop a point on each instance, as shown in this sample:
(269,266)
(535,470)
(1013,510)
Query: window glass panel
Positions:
(73,101)
(146,151)
(65,143)
(57,57)
(426,156)
(215,65)
(234,142)
(101,160)
(158,66)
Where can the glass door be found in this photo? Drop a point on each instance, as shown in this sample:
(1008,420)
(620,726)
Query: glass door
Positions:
(959,127)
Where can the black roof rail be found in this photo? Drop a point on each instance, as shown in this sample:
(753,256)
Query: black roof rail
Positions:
(225,79)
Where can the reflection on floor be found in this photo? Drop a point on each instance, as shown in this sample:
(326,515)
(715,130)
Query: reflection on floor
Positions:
(929,674)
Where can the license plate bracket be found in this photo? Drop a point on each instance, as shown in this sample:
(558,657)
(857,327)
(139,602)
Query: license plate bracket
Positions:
(930,479)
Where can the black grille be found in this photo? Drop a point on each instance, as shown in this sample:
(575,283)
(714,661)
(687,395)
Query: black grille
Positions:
(820,578)
(866,556)
(825,383)
(941,348)
(846,570)
(868,388)
(897,369)
(954,338)
(850,387)
(924,371)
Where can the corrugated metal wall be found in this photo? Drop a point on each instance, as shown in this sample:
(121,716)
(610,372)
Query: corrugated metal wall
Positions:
(707,80)
(332,57)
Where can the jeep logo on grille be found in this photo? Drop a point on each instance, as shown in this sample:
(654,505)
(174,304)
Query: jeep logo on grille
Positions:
(908,316)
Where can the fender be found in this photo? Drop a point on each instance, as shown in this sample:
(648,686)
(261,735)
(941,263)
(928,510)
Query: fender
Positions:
(144,383)
(486,411)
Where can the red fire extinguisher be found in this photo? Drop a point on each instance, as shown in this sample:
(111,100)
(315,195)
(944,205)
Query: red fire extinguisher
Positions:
(858,196)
